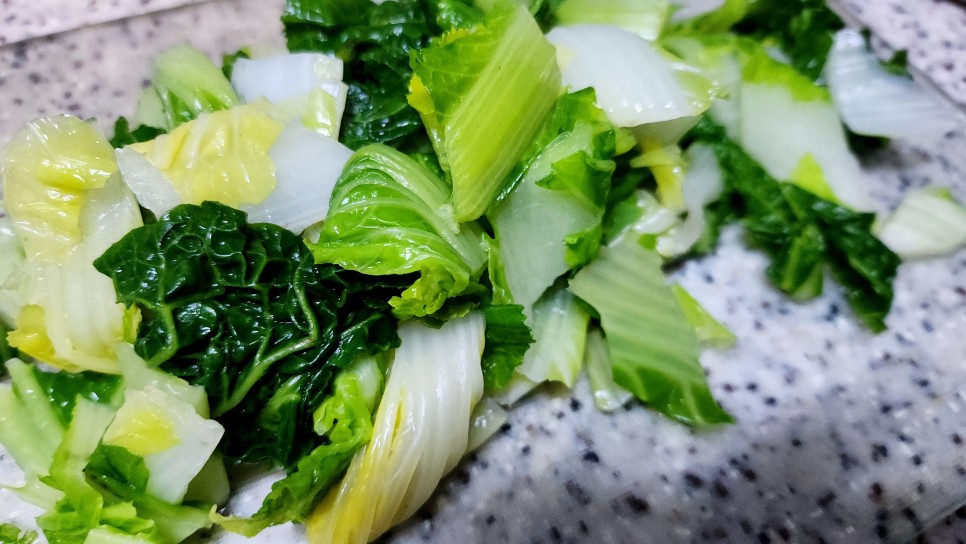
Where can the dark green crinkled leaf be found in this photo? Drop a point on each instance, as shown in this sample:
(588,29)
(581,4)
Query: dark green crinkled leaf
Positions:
(375,41)
(125,135)
(804,234)
(242,310)
(506,340)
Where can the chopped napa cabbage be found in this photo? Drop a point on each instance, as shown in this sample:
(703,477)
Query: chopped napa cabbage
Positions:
(11,534)
(345,418)
(221,156)
(668,167)
(781,118)
(488,417)
(67,206)
(307,85)
(551,219)
(174,441)
(709,330)
(708,16)
(48,169)
(29,427)
(654,351)
(12,260)
(138,375)
(390,215)
(518,387)
(414,443)
(874,102)
(560,329)
(84,483)
(299,167)
(928,223)
(720,58)
(307,166)
(185,84)
(483,94)
(608,396)
(667,231)
(507,340)
(780,131)
(638,84)
(644,18)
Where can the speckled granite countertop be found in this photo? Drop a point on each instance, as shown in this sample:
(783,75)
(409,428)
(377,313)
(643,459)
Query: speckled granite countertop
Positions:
(25,19)
(841,436)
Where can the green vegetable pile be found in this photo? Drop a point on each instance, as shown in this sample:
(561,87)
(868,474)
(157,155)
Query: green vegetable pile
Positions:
(344,263)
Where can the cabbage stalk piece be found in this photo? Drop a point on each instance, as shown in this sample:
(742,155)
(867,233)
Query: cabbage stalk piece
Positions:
(483,95)
(645,18)
(928,223)
(654,351)
(184,84)
(560,329)
(307,167)
(307,86)
(874,102)
(780,117)
(220,156)
(421,431)
(791,127)
(639,85)
(390,215)
(87,485)
(608,396)
(550,221)
(67,207)
(282,174)
(11,270)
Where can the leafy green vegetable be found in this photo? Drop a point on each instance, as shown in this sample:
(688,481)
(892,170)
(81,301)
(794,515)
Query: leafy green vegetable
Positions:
(65,205)
(420,432)
(804,234)
(708,329)
(6,352)
(345,419)
(389,215)
(375,41)
(189,84)
(654,352)
(63,389)
(507,339)
(559,323)
(222,156)
(243,311)
(608,396)
(928,223)
(549,220)
(803,29)
(11,534)
(55,425)
(644,18)
(484,94)
(717,20)
(125,135)
(228,61)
